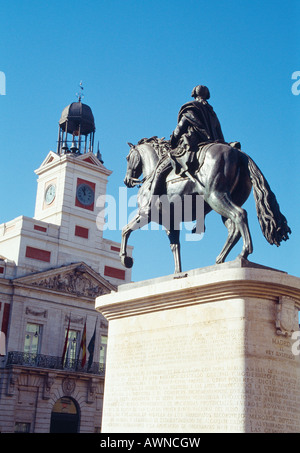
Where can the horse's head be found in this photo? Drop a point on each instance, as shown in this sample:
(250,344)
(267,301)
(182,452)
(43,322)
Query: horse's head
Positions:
(134,167)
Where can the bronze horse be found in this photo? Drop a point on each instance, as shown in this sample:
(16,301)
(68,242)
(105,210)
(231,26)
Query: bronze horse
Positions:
(224,178)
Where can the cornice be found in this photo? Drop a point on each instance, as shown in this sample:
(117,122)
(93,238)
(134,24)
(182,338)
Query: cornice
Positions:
(208,287)
(74,160)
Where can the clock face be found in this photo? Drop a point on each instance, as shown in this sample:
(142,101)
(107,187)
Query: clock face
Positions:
(85,194)
(50,193)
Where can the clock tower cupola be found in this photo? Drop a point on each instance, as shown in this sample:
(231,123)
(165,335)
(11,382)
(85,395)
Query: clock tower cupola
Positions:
(76,130)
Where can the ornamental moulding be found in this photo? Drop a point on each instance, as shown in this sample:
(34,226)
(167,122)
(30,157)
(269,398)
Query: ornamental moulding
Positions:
(78,285)
(77,279)
(34,312)
(286,316)
(74,319)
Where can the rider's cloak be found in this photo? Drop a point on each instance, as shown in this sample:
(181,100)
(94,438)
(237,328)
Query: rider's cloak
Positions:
(202,117)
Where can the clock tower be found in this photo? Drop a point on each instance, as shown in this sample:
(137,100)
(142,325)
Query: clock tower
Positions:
(70,181)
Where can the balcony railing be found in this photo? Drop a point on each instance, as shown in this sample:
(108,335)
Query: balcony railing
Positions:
(55,363)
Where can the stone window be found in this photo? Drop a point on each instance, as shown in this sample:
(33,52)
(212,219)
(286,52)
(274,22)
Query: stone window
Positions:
(33,336)
(103,348)
(21,427)
(72,346)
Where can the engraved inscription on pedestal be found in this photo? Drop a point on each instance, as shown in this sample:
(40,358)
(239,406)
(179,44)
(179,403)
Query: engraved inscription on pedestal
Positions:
(223,365)
(235,391)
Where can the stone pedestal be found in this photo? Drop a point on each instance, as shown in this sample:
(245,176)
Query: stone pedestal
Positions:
(211,350)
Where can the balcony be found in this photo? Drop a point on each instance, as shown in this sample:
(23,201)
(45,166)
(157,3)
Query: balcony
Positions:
(53,363)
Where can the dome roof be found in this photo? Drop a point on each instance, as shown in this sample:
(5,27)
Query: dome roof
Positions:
(77,114)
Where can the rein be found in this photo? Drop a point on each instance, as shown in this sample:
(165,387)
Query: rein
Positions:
(136,181)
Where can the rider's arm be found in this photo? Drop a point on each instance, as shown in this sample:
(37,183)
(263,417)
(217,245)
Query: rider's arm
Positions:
(180,129)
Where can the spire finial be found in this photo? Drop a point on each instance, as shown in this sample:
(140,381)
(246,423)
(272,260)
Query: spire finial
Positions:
(80,95)
(99,155)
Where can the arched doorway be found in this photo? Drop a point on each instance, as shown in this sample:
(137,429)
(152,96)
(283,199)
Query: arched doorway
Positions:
(64,416)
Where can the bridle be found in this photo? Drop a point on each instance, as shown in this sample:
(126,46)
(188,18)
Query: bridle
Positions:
(134,181)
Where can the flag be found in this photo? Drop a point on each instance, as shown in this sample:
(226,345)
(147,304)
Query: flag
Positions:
(83,346)
(66,342)
(91,348)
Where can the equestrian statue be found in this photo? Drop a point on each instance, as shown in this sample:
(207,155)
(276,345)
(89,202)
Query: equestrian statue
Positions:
(197,161)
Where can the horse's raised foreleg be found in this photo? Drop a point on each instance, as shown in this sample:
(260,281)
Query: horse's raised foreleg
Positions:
(232,239)
(136,223)
(173,236)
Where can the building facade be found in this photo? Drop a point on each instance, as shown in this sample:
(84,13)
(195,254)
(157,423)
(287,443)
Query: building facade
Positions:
(52,267)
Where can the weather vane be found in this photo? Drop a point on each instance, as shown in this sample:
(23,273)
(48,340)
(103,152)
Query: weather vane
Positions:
(80,95)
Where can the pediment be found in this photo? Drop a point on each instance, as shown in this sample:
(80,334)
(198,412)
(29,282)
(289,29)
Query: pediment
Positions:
(76,279)
(90,158)
(87,159)
(51,157)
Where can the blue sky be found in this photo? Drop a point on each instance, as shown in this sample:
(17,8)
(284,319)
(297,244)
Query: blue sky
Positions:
(138,62)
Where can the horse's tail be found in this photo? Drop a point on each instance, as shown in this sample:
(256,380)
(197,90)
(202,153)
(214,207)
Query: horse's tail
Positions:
(272,222)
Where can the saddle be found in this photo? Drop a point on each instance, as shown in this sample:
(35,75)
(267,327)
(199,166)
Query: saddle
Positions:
(184,160)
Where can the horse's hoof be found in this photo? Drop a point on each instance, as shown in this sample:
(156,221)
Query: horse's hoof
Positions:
(243,256)
(127,261)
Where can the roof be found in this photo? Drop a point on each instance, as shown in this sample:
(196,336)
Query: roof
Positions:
(75,115)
